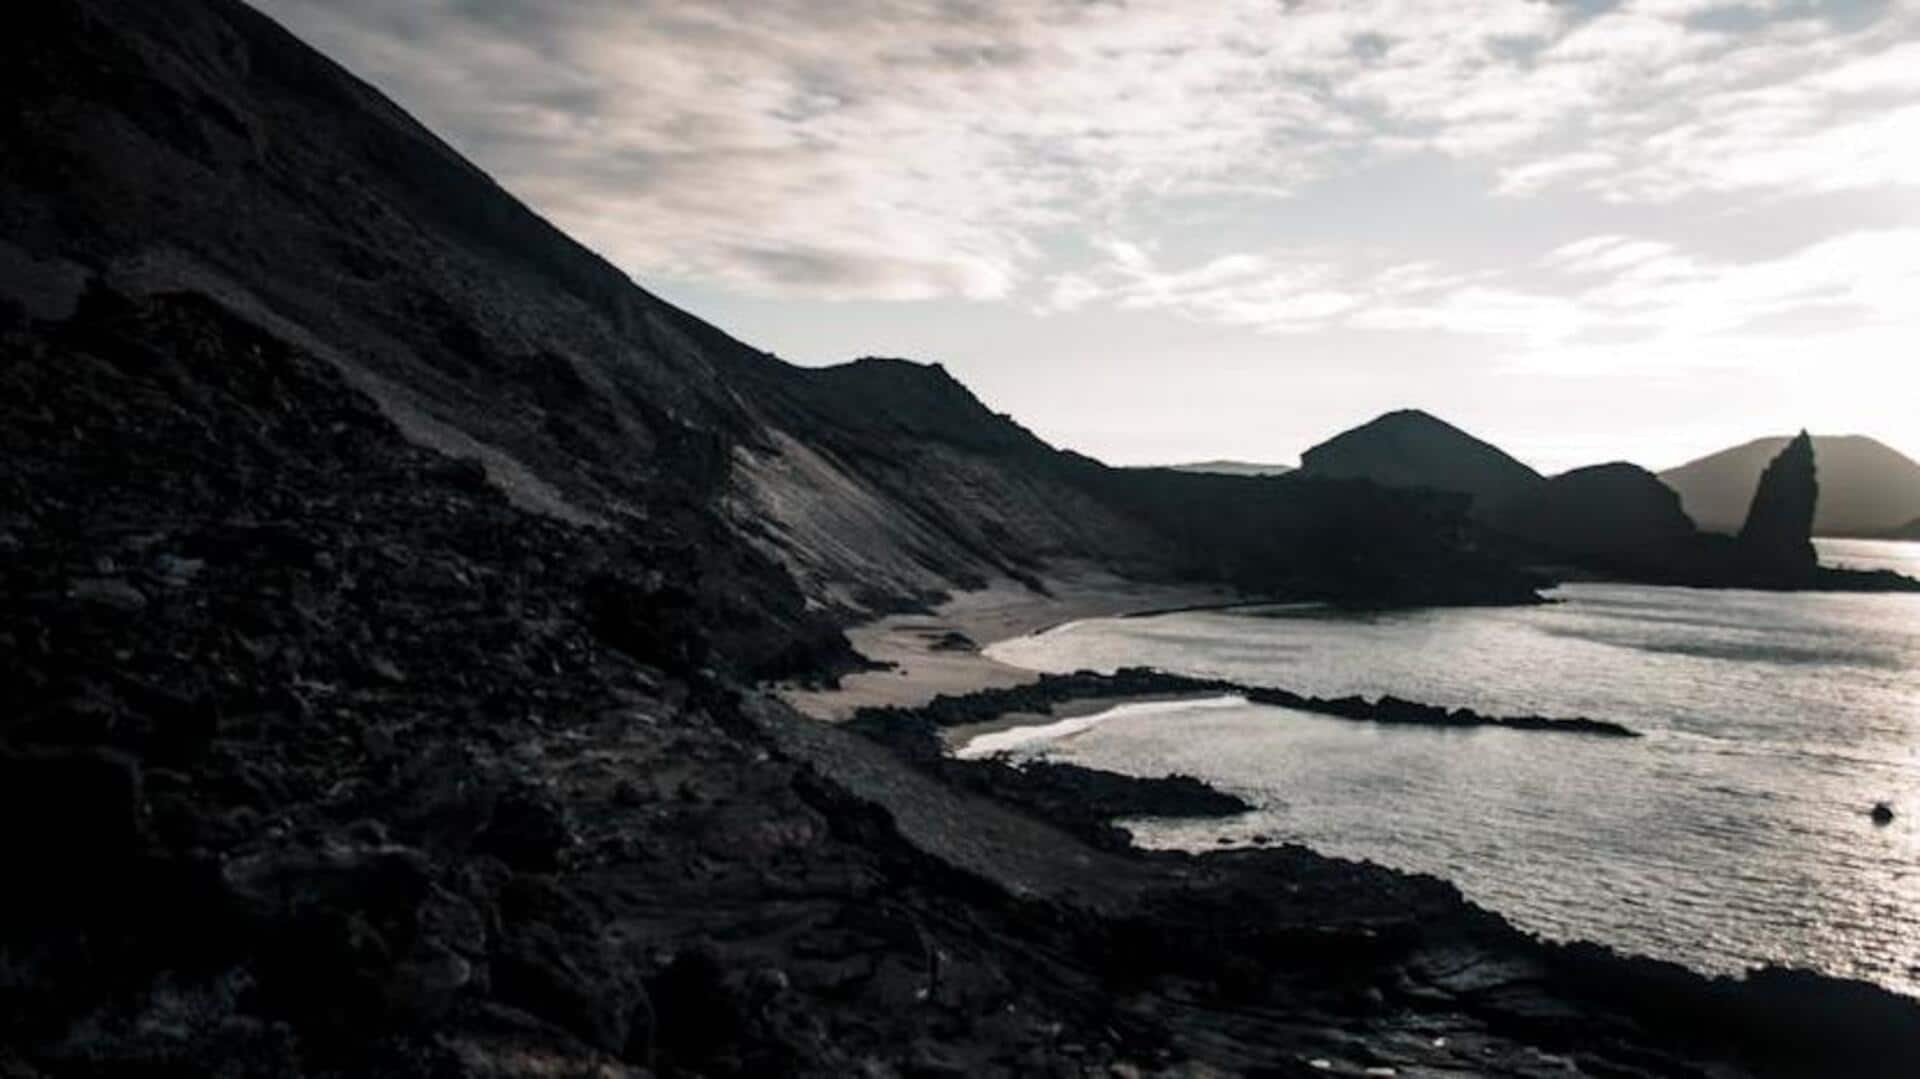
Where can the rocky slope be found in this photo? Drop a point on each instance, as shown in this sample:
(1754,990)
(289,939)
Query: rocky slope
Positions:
(892,475)
(385,578)
(1410,448)
(196,147)
(1867,488)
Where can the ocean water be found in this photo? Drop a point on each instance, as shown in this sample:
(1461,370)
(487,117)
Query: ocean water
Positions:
(1736,832)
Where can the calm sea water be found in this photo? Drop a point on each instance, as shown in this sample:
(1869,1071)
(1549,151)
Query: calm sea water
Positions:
(1736,832)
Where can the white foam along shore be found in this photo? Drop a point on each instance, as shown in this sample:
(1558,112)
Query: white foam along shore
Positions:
(1010,739)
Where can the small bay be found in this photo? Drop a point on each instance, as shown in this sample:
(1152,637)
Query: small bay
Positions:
(1736,832)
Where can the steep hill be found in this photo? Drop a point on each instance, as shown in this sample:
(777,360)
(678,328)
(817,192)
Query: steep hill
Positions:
(1866,487)
(385,584)
(197,148)
(1612,511)
(1410,448)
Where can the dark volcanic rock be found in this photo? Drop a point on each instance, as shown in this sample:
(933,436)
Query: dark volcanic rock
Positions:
(1778,536)
(558,960)
(52,801)
(529,830)
(382,573)
(1410,448)
(1040,695)
(1613,511)
(1619,521)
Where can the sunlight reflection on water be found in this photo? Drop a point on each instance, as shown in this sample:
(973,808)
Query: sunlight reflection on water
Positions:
(1736,832)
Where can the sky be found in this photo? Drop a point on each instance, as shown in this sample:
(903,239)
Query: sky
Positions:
(1164,230)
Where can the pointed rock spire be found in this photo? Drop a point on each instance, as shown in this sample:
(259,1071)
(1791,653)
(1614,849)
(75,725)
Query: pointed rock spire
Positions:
(1778,535)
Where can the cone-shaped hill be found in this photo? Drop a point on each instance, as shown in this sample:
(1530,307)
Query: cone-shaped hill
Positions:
(1410,448)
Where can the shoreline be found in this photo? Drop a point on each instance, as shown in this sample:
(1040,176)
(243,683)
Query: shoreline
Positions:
(940,656)
(957,739)
(1427,954)
(1424,948)
(921,659)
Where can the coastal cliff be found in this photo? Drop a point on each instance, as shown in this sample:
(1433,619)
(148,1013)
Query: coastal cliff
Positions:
(199,149)
(389,583)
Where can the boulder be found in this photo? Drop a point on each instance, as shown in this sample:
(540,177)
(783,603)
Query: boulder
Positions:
(557,961)
(529,830)
(68,817)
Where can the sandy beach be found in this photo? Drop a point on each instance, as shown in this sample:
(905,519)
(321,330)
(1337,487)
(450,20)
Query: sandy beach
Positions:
(926,661)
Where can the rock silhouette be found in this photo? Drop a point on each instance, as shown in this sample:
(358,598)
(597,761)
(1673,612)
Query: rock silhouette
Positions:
(1613,511)
(387,585)
(1410,448)
(1778,536)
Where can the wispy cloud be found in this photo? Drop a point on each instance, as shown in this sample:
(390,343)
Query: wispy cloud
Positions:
(1619,288)
(904,149)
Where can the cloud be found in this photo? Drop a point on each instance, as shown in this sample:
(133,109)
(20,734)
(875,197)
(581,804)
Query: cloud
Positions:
(1282,291)
(1598,298)
(1602,254)
(1269,293)
(914,149)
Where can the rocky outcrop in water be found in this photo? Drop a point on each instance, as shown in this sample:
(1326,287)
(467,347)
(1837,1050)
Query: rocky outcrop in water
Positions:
(1049,690)
(1778,536)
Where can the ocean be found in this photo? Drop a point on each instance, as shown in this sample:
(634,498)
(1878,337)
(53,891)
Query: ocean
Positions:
(1736,832)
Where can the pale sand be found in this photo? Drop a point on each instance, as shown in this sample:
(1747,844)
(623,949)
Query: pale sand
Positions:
(1002,610)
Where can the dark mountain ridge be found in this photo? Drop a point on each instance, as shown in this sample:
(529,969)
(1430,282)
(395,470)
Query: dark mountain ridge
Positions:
(385,577)
(232,162)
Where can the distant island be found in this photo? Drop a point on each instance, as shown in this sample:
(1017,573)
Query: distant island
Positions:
(1617,519)
(1230,468)
(1867,489)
